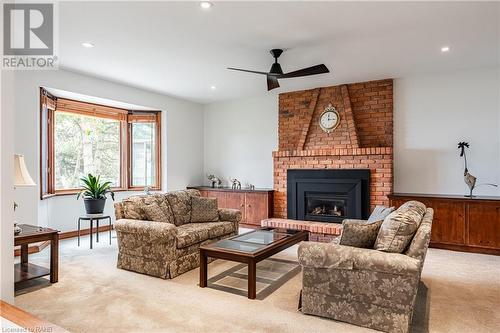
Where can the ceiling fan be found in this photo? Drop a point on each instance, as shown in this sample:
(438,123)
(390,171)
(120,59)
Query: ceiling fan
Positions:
(276,72)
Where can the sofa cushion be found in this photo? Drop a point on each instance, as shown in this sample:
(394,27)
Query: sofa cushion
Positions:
(157,213)
(180,203)
(132,208)
(192,233)
(204,209)
(399,227)
(218,229)
(359,233)
(380,213)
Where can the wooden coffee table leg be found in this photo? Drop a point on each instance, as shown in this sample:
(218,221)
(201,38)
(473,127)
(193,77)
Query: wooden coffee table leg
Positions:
(203,269)
(252,279)
(54,258)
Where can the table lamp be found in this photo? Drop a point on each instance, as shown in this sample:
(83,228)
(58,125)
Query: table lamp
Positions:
(22,178)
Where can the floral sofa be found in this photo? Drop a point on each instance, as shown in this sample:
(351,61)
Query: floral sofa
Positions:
(160,234)
(374,285)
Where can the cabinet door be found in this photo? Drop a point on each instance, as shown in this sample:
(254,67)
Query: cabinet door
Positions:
(257,207)
(236,200)
(484,224)
(448,225)
(221,197)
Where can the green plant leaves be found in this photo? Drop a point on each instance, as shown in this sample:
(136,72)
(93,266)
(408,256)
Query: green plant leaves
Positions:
(93,188)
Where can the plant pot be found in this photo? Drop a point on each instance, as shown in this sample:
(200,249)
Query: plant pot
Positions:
(94,206)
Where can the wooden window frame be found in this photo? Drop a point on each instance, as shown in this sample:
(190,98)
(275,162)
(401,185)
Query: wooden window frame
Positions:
(125,117)
(157,120)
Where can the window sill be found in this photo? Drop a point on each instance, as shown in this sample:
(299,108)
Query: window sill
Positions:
(60,193)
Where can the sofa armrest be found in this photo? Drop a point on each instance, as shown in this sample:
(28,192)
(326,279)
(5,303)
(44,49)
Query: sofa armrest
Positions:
(153,230)
(231,215)
(327,255)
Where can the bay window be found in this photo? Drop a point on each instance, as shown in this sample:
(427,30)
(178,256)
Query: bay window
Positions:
(78,138)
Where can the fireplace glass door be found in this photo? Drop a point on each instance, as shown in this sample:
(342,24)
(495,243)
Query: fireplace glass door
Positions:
(319,206)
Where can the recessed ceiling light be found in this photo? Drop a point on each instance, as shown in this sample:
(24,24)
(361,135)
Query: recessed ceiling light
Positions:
(88,45)
(445,49)
(206,4)
(213,87)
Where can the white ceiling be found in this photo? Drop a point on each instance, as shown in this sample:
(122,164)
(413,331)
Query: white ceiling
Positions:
(178,49)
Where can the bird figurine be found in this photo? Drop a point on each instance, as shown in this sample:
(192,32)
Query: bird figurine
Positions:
(469,179)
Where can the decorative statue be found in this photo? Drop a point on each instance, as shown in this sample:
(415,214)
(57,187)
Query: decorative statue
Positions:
(236,184)
(215,181)
(147,190)
(469,179)
(251,186)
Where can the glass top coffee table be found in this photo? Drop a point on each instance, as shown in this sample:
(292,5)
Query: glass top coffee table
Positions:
(249,248)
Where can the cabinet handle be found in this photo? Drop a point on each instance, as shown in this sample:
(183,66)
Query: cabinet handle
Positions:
(249,205)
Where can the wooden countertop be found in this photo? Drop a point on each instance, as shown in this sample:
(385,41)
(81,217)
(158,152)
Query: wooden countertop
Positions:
(27,320)
(445,196)
(228,189)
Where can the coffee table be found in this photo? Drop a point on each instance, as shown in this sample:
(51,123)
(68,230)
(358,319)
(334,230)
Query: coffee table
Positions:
(249,248)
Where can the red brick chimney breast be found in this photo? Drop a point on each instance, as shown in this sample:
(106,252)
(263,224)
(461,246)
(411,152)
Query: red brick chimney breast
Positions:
(363,139)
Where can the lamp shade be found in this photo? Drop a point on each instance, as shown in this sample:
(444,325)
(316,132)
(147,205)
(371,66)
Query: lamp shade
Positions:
(21,175)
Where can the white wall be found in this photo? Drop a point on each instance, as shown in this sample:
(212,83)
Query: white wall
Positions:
(182,139)
(431,115)
(6,191)
(240,137)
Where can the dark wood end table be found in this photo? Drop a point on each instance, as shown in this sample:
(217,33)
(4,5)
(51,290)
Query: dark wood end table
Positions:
(32,234)
(250,248)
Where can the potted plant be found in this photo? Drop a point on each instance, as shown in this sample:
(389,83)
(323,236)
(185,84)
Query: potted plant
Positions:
(94,194)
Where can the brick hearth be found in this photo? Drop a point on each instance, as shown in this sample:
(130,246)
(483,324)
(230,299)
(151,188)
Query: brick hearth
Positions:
(363,140)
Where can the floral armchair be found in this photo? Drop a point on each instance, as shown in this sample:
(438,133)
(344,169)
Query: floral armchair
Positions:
(364,286)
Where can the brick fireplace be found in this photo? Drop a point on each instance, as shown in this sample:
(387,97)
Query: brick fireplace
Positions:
(363,139)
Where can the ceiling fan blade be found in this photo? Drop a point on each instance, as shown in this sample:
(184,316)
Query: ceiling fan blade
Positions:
(272,82)
(318,69)
(247,70)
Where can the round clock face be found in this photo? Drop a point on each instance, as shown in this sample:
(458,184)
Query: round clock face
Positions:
(329,120)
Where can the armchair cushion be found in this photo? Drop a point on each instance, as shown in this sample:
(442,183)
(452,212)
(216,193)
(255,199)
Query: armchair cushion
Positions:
(359,233)
(399,227)
(327,255)
(154,212)
(204,209)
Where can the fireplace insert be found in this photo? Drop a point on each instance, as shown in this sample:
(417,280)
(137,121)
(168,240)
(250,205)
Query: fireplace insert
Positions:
(328,195)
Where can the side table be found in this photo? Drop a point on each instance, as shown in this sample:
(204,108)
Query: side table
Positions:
(33,234)
(92,218)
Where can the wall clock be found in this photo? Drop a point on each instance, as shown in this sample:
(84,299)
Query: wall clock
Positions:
(329,119)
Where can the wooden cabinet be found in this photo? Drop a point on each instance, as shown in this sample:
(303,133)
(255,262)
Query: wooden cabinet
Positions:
(484,224)
(460,223)
(255,205)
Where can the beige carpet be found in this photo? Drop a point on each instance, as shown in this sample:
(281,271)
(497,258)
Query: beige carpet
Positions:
(463,295)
